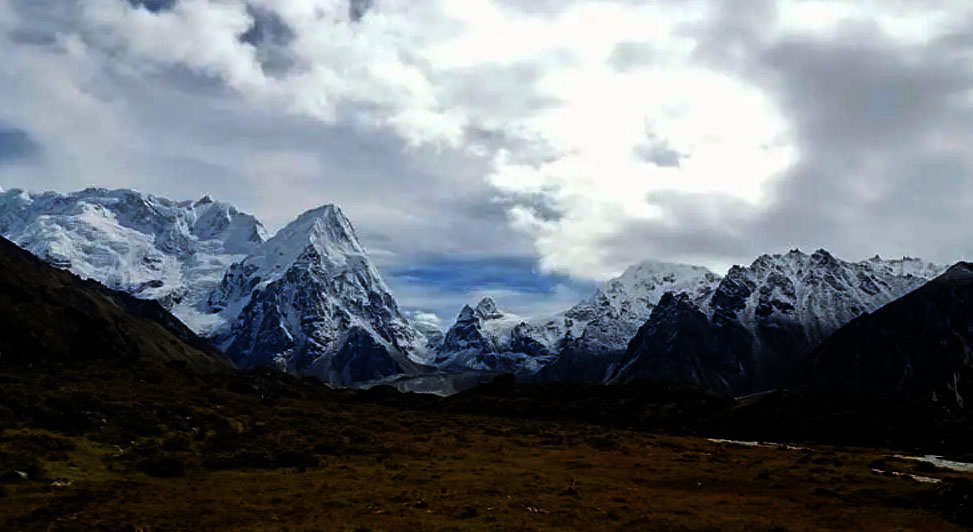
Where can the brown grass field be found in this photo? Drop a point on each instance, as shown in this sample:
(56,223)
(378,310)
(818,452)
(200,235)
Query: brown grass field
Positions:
(177,452)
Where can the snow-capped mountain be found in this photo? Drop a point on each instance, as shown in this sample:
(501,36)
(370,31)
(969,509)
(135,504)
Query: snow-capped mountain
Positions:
(429,326)
(765,317)
(487,339)
(818,291)
(151,247)
(309,302)
(599,327)
(616,311)
(782,306)
(679,344)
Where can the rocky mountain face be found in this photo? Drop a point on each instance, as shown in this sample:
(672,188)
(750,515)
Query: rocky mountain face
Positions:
(489,340)
(919,344)
(582,342)
(772,313)
(613,314)
(307,301)
(765,316)
(679,344)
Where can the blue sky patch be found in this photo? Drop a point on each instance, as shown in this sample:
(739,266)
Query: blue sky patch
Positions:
(443,285)
(470,274)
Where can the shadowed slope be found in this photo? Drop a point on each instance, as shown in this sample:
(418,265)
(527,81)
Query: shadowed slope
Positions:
(915,345)
(52,316)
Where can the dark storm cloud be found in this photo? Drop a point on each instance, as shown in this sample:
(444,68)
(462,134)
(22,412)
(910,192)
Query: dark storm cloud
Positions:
(154,6)
(698,228)
(271,36)
(358,8)
(15,145)
(539,204)
(33,37)
(466,85)
(881,130)
(267,27)
(861,92)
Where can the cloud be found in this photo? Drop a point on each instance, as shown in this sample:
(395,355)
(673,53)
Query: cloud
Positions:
(16,144)
(583,135)
(876,115)
(427,318)
(658,152)
(358,8)
(535,96)
(631,55)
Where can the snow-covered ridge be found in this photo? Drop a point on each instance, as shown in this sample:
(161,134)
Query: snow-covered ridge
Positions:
(324,231)
(152,247)
(299,299)
(307,300)
(819,291)
(603,323)
(786,302)
(763,318)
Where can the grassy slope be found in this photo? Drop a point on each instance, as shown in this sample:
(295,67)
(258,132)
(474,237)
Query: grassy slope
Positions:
(163,449)
(52,316)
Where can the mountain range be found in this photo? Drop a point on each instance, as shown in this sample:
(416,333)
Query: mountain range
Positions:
(308,300)
(762,318)
(115,413)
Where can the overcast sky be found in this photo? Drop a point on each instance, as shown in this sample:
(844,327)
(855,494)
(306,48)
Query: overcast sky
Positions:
(519,148)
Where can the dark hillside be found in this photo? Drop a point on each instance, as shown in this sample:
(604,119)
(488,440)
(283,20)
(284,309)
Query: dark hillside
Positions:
(50,316)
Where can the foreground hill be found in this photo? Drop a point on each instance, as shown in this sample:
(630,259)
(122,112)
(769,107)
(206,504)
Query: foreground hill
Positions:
(50,316)
(918,345)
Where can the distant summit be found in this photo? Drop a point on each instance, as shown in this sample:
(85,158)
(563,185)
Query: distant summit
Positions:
(309,301)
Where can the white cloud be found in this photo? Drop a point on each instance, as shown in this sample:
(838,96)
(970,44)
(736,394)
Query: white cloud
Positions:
(560,100)
(426,318)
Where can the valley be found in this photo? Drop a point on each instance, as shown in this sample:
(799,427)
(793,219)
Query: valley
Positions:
(647,406)
(166,450)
